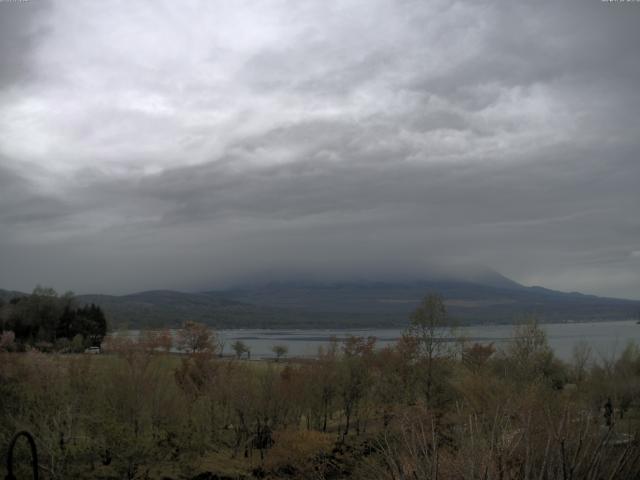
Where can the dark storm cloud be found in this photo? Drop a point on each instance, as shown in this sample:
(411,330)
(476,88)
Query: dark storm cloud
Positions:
(355,140)
(21,203)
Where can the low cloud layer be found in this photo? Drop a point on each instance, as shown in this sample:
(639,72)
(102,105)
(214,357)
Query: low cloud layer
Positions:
(194,145)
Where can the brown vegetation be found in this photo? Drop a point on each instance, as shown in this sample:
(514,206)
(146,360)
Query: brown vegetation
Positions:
(417,410)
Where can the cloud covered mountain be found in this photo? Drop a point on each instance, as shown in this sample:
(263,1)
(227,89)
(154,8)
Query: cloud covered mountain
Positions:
(481,296)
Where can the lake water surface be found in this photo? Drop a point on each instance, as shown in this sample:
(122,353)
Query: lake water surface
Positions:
(605,338)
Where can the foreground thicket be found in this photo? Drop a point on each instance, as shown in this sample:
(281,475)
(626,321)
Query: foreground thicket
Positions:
(426,408)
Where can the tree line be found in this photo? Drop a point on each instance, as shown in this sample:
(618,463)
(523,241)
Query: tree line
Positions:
(50,322)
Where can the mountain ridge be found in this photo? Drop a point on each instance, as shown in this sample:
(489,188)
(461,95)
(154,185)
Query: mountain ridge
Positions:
(348,304)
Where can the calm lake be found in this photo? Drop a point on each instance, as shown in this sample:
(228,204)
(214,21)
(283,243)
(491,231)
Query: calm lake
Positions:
(605,338)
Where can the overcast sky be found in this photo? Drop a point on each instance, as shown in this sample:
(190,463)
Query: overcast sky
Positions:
(192,145)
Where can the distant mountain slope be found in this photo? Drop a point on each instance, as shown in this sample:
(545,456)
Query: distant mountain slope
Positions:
(7,295)
(466,301)
(489,298)
(166,308)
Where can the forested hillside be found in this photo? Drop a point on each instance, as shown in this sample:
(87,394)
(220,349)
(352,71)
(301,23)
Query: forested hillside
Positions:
(353,304)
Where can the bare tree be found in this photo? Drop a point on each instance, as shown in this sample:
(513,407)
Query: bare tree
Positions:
(431,328)
(240,348)
(195,337)
(581,357)
(280,351)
